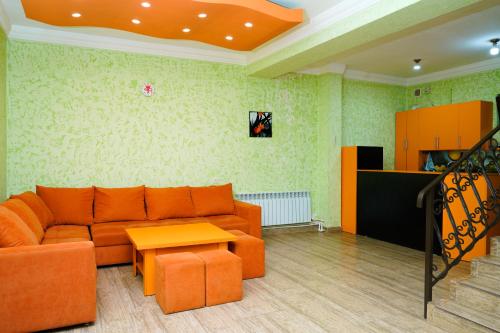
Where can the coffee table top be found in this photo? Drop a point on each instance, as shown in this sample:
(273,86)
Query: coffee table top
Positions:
(146,238)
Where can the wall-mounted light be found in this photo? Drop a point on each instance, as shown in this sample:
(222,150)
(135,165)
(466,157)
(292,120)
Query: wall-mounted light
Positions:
(417,66)
(494,46)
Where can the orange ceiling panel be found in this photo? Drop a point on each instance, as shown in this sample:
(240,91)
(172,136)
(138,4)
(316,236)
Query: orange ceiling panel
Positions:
(167,18)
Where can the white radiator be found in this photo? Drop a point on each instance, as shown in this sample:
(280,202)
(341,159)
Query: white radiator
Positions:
(282,207)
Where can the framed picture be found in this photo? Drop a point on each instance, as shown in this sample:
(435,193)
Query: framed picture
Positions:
(260,124)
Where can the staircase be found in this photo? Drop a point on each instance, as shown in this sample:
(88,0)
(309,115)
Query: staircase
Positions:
(474,303)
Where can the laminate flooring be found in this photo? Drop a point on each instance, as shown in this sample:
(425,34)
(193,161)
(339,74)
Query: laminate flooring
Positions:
(315,282)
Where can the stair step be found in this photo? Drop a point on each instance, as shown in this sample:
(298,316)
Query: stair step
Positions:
(488,266)
(456,318)
(495,246)
(480,293)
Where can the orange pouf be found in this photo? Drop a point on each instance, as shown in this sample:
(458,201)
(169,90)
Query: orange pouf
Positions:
(223,277)
(180,282)
(251,250)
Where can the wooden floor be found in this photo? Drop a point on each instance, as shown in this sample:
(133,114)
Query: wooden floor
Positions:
(315,282)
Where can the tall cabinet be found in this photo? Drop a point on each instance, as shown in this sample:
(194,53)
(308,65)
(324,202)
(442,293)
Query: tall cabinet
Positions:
(446,127)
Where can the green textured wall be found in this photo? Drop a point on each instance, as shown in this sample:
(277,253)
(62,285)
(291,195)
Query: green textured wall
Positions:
(3,114)
(479,86)
(368,115)
(77,117)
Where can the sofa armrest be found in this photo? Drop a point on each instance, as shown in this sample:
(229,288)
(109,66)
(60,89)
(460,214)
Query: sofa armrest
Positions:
(251,213)
(47,286)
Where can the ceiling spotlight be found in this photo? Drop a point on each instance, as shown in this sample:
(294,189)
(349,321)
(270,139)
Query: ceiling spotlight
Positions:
(136,21)
(202,15)
(186,30)
(76,15)
(248,24)
(146,4)
(494,47)
(417,65)
(229,37)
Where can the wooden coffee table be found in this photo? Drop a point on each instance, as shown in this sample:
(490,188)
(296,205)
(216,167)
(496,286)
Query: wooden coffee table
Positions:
(149,242)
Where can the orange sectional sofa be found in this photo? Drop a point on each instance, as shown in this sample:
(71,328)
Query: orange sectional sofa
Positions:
(52,241)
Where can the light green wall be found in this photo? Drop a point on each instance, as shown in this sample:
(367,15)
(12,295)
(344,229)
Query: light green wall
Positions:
(480,86)
(77,117)
(368,115)
(3,113)
(329,148)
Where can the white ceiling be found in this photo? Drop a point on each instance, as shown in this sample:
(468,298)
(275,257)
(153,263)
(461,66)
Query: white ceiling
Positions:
(456,43)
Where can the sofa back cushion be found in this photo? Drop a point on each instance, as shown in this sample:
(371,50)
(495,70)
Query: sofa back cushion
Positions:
(68,205)
(27,216)
(169,202)
(13,231)
(37,206)
(119,204)
(213,200)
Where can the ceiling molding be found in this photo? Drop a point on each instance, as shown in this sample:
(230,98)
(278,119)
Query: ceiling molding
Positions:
(477,67)
(373,77)
(125,45)
(319,22)
(330,68)
(4,20)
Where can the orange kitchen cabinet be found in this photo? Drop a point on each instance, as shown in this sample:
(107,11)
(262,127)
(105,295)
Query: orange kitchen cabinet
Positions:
(438,128)
(407,141)
(475,120)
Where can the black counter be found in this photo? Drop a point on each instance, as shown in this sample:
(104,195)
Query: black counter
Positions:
(386,207)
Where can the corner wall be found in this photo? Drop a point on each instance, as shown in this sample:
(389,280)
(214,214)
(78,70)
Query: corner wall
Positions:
(3,114)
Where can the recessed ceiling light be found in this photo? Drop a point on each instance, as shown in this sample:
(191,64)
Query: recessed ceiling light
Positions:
(248,24)
(76,15)
(136,21)
(417,65)
(202,15)
(186,30)
(146,4)
(494,47)
(229,37)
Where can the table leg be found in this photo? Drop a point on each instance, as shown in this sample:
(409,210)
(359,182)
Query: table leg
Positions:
(134,261)
(223,246)
(149,272)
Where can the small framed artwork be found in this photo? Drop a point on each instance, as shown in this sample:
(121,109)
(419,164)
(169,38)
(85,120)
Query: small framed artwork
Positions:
(261,124)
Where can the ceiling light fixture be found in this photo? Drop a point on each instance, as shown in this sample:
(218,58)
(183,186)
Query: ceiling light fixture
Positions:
(229,37)
(249,24)
(202,15)
(136,21)
(417,65)
(494,47)
(146,4)
(186,30)
(76,15)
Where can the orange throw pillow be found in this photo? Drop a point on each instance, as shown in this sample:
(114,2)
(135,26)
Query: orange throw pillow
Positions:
(213,200)
(169,202)
(27,216)
(69,205)
(37,206)
(119,204)
(13,231)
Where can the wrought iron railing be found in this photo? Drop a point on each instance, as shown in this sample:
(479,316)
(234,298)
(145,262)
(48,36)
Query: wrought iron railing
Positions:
(466,214)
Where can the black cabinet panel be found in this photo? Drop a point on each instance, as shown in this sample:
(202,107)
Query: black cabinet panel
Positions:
(386,207)
(370,158)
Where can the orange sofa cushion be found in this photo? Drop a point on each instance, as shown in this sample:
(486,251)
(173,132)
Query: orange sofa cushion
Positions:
(69,205)
(67,231)
(27,215)
(13,231)
(37,206)
(213,200)
(166,203)
(119,204)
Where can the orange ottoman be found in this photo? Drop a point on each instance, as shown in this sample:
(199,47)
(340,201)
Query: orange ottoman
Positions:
(223,283)
(180,282)
(252,253)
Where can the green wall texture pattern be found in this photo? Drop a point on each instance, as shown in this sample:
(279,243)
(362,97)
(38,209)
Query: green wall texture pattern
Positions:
(3,114)
(77,117)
